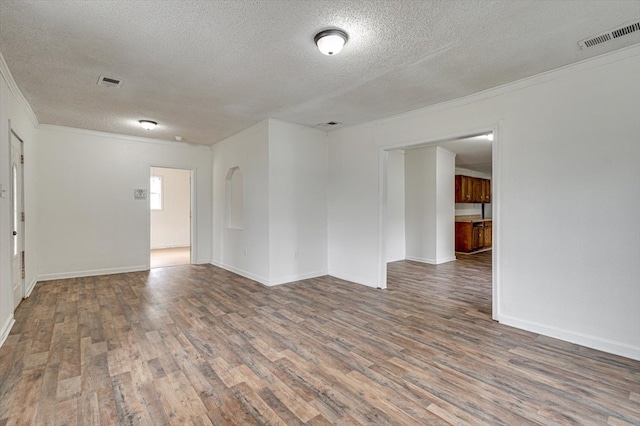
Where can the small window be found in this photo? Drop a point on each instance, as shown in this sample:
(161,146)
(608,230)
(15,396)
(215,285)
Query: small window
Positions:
(155,193)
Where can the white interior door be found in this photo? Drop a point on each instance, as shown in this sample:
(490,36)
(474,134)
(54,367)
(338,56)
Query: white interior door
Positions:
(17,221)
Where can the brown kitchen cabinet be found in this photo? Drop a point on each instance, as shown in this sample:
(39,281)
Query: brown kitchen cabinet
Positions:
(473,235)
(486,193)
(478,190)
(464,189)
(472,190)
(488,234)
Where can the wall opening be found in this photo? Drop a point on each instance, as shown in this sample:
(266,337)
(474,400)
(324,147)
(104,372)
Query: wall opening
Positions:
(234,198)
(170,217)
(471,159)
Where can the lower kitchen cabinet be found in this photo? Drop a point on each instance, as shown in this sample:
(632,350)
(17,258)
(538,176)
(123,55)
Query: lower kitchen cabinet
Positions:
(473,236)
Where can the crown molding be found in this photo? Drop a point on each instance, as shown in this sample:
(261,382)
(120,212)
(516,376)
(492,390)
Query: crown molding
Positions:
(554,74)
(15,90)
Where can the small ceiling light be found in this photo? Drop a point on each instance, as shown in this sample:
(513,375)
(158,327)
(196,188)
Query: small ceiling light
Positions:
(330,42)
(147,124)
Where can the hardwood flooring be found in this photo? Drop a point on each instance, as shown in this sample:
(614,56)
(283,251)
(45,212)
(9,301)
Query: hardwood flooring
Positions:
(170,257)
(200,345)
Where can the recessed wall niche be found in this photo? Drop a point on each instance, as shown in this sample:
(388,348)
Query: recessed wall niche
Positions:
(234,198)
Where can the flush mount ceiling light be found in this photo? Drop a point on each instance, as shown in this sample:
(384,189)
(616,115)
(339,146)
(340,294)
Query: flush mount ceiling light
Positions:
(147,124)
(330,42)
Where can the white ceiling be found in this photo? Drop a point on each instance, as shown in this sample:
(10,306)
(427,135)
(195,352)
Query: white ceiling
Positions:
(206,70)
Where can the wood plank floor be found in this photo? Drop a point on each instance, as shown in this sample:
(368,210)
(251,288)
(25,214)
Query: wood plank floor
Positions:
(174,256)
(199,345)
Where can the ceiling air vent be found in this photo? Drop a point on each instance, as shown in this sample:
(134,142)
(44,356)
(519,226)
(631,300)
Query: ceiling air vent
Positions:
(329,124)
(626,29)
(109,82)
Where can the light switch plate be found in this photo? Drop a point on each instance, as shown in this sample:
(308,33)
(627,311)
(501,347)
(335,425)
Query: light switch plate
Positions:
(140,194)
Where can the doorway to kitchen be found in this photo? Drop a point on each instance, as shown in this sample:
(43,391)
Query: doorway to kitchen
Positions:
(170,209)
(419,211)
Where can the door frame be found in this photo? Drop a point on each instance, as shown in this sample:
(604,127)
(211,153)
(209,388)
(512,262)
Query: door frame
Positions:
(21,222)
(383,156)
(194,216)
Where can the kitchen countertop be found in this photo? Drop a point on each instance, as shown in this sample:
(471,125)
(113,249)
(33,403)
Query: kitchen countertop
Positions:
(471,219)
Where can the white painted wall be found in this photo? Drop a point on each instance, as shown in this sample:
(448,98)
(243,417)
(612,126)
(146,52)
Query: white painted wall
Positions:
(171,226)
(297,202)
(88,220)
(429,186)
(284,235)
(244,251)
(396,240)
(468,209)
(445,210)
(568,142)
(17,115)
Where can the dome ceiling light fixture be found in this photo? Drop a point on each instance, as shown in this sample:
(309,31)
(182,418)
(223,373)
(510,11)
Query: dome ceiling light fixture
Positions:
(330,42)
(147,124)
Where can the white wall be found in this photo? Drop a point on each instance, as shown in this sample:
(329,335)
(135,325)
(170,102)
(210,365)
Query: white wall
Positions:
(468,209)
(284,235)
(16,115)
(429,212)
(88,220)
(171,226)
(445,211)
(297,202)
(396,240)
(567,141)
(244,251)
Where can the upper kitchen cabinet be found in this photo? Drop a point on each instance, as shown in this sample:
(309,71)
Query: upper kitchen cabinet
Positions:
(472,190)
(464,189)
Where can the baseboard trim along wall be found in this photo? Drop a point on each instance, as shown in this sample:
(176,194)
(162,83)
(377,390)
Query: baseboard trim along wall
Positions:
(241,272)
(6,328)
(90,273)
(170,247)
(605,345)
(300,277)
(431,261)
(30,288)
(270,282)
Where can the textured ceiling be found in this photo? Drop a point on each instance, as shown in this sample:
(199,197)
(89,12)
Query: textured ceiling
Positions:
(206,70)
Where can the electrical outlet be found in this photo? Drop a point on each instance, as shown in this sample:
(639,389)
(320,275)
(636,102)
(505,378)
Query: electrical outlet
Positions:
(296,255)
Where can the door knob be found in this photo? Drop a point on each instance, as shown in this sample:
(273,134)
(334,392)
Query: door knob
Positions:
(15,233)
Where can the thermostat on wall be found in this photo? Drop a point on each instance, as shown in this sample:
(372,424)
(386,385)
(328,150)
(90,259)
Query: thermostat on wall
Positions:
(140,194)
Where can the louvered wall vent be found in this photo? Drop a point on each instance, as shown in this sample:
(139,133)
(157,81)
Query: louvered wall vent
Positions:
(626,29)
(109,82)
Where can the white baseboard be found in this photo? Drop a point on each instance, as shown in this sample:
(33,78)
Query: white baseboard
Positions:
(594,342)
(266,281)
(241,272)
(30,288)
(6,328)
(431,261)
(299,277)
(90,273)
(170,246)
(353,279)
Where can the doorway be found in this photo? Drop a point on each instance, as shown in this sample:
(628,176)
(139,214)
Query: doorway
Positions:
(391,247)
(170,209)
(17,220)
